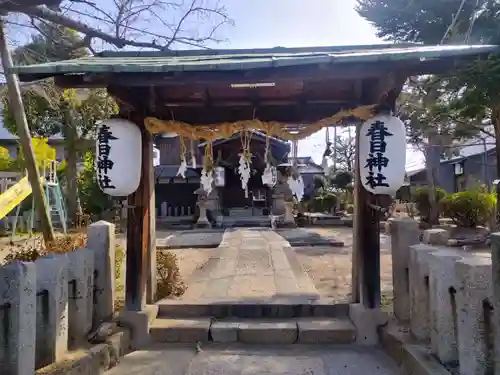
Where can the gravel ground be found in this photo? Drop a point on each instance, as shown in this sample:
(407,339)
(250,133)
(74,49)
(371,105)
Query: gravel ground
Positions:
(330,267)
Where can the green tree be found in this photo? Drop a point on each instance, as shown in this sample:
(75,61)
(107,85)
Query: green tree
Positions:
(5,160)
(93,200)
(431,128)
(50,110)
(51,42)
(471,98)
(43,154)
(433,22)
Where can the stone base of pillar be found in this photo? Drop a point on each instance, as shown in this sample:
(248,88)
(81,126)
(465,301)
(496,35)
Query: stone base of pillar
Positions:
(289,220)
(201,225)
(139,322)
(367,323)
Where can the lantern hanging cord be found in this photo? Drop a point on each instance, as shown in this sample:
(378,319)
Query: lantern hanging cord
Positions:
(268,141)
(246,138)
(209,154)
(183,147)
(295,145)
(191,148)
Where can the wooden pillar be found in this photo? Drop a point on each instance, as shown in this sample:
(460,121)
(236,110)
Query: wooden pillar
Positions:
(152,282)
(356,214)
(139,230)
(366,240)
(366,247)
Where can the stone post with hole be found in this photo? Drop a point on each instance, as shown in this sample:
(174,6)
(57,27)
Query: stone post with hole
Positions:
(18,310)
(52,278)
(404,233)
(473,315)
(101,241)
(80,295)
(495,261)
(443,285)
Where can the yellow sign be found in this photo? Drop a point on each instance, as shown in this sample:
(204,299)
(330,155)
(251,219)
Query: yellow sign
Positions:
(14,196)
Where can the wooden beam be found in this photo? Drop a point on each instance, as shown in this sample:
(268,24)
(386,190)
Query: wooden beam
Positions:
(139,231)
(248,103)
(200,115)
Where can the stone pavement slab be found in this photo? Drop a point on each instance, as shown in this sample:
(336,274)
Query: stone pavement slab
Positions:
(251,265)
(292,360)
(199,238)
(299,237)
(239,359)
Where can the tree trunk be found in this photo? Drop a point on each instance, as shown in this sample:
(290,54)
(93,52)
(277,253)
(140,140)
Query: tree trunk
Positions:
(432,162)
(496,123)
(15,100)
(70,134)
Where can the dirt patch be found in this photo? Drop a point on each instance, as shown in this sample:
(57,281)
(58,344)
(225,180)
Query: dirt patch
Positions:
(191,259)
(330,268)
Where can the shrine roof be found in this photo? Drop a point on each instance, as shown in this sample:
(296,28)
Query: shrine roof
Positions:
(244,59)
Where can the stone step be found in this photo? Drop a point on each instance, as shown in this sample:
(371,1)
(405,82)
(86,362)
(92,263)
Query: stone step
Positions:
(254,331)
(284,308)
(244,222)
(180,330)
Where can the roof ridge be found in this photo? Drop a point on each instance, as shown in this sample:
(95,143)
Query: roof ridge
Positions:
(250,51)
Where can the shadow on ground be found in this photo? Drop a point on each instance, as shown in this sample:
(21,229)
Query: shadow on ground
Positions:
(247,359)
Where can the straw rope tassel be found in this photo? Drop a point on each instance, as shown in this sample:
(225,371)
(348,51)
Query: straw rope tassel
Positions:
(324,163)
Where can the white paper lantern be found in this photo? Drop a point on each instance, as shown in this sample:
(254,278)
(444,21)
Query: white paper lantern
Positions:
(219,176)
(118,157)
(382,154)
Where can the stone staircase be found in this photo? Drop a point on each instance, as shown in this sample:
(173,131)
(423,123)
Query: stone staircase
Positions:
(243,218)
(229,329)
(253,290)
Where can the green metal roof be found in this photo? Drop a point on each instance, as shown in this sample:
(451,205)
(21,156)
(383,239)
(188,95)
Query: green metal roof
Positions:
(226,60)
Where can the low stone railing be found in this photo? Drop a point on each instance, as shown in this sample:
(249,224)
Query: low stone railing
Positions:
(167,211)
(51,305)
(448,296)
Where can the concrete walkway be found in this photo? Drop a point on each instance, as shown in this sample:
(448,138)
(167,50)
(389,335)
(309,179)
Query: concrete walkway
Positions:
(251,265)
(249,360)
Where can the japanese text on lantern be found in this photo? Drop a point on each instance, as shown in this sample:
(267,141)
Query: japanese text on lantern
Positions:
(104,164)
(376,161)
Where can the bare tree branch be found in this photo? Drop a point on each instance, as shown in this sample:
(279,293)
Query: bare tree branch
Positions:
(128,22)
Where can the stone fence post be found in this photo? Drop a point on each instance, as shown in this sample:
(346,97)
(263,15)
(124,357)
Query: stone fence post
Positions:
(18,307)
(80,295)
(474,353)
(436,237)
(404,233)
(52,278)
(495,261)
(101,241)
